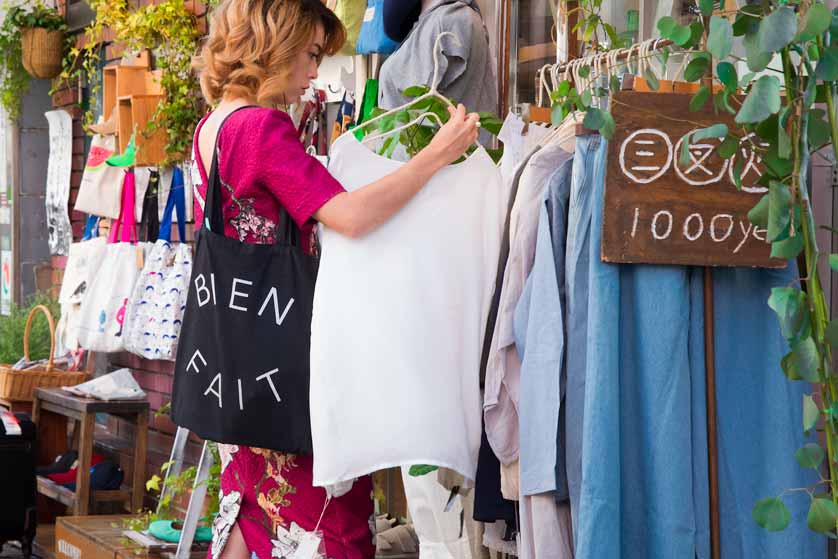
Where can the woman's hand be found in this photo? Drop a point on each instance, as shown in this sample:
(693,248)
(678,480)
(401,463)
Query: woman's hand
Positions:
(455,136)
(356,213)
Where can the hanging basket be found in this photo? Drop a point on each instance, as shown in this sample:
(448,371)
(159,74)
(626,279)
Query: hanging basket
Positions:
(19,385)
(42,51)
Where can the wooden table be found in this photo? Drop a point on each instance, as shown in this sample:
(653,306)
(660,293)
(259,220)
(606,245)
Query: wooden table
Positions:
(83,411)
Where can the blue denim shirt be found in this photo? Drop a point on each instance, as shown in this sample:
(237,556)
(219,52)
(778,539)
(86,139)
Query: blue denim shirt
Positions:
(643,487)
(540,339)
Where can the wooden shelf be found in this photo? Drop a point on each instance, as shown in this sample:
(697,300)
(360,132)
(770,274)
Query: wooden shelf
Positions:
(131,94)
(49,488)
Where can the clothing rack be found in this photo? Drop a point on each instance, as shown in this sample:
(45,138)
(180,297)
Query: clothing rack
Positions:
(595,63)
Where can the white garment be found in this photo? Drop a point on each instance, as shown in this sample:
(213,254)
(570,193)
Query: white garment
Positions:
(439,531)
(545,526)
(398,321)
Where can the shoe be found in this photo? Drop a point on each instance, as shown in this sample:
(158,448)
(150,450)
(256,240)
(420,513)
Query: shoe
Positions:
(62,463)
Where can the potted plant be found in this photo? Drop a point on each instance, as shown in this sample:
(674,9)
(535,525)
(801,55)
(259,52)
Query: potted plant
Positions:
(32,43)
(42,39)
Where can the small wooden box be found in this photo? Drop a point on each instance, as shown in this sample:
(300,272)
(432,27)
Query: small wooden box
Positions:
(89,537)
(101,537)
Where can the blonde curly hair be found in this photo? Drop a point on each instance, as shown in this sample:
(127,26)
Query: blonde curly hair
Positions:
(252,45)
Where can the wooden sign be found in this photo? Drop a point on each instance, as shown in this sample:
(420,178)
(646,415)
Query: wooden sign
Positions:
(658,211)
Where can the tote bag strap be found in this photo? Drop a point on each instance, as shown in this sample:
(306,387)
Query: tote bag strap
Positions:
(213,217)
(175,202)
(126,223)
(91,228)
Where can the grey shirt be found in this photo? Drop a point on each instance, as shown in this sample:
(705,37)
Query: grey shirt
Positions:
(465,71)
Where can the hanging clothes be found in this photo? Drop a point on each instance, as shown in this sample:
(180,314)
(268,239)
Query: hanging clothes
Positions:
(440,528)
(403,310)
(643,461)
(503,365)
(589,156)
(465,66)
(540,340)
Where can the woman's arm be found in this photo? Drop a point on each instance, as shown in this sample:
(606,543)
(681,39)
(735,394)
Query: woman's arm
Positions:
(356,213)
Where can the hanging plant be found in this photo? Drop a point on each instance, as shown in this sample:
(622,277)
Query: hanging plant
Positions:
(37,20)
(167,29)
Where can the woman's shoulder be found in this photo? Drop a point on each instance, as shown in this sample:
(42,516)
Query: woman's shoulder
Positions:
(251,122)
(252,133)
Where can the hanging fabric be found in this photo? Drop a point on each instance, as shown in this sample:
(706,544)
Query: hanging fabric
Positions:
(408,326)
(372,39)
(243,357)
(100,192)
(103,310)
(83,262)
(155,311)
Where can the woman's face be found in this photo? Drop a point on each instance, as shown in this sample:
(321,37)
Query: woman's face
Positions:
(305,66)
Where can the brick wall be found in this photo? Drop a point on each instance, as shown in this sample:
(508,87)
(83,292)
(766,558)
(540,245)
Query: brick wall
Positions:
(114,436)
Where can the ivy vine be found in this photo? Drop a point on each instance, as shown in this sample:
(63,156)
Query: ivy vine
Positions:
(169,31)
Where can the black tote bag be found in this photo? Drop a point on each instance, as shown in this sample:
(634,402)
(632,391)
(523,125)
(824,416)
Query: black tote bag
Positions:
(242,368)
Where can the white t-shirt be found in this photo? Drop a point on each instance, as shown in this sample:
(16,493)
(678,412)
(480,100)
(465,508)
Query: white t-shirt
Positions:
(398,322)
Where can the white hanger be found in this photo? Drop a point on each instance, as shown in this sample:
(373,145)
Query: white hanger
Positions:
(431,93)
(542,78)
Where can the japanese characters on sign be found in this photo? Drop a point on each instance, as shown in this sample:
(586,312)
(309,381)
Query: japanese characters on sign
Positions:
(659,210)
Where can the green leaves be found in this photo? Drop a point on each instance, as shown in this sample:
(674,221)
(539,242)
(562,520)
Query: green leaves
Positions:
(814,23)
(697,67)
(597,119)
(772,514)
(810,456)
(787,248)
(727,75)
(762,101)
(682,35)
(833,262)
(778,29)
(699,99)
(831,334)
(706,7)
(759,213)
(811,413)
(821,517)
(715,131)
(779,204)
(720,40)
(666,25)
(806,359)
(421,470)
(789,304)
(416,91)
(827,69)
(757,59)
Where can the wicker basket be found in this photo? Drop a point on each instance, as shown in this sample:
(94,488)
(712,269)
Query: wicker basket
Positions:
(42,51)
(20,385)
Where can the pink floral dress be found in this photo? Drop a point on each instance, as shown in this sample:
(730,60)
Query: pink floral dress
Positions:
(263,167)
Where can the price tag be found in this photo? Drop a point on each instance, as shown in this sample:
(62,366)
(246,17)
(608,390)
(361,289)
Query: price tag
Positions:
(309,547)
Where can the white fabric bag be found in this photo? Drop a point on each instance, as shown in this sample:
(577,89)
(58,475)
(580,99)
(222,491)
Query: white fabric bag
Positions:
(155,311)
(398,323)
(100,192)
(104,307)
(82,264)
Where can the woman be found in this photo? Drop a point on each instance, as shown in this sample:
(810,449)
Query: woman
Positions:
(261,54)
